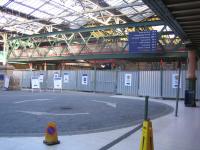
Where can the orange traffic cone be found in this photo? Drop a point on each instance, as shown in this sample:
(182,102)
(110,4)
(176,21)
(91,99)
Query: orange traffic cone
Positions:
(51,137)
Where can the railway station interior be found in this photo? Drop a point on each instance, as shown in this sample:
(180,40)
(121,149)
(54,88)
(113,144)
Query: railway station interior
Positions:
(99,74)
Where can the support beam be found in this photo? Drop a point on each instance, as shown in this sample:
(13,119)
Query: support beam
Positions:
(188,17)
(162,11)
(182,4)
(131,24)
(133,56)
(186,11)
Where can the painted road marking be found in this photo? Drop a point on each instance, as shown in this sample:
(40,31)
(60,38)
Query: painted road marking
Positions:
(52,114)
(107,103)
(33,100)
(127,97)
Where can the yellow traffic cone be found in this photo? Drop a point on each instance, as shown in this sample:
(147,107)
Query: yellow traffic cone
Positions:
(51,137)
(146,142)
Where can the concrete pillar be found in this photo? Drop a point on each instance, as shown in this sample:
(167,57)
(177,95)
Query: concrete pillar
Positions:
(191,79)
(30,66)
(45,66)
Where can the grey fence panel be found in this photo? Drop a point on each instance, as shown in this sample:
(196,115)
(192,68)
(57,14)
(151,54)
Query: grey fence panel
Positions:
(106,81)
(150,83)
(168,90)
(50,76)
(71,83)
(198,85)
(18,75)
(85,85)
(128,90)
(43,85)
(26,79)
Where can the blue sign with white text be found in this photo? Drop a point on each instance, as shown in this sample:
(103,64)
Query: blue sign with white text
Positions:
(145,41)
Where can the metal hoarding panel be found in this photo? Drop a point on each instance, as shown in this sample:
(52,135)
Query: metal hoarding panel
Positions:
(69,79)
(131,89)
(85,80)
(26,79)
(167,86)
(18,75)
(43,76)
(50,78)
(106,81)
(150,83)
(198,84)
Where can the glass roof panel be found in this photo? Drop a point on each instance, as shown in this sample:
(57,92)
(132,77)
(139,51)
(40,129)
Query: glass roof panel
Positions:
(141,8)
(20,8)
(51,9)
(57,21)
(33,3)
(3,2)
(39,14)
(131,10)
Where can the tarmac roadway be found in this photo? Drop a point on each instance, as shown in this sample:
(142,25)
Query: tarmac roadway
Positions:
(24,113)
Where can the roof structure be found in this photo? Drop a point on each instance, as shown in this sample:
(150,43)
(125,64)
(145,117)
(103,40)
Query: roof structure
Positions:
(33,16)
(182,16)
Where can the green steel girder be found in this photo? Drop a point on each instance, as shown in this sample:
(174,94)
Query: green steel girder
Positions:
(88,29)
(133,56)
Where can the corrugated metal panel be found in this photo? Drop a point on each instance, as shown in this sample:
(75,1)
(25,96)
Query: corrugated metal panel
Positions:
(18,75)
(106,81)
(26,79)
(168,91)
(43,85)
(71,84)
(90,80)
(150,83)
(198,85)
(128,90)
(50,76)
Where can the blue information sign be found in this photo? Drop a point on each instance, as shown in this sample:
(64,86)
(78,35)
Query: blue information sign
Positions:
(145,41)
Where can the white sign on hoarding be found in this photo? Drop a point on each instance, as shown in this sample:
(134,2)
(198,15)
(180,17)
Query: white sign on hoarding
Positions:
(84,79)
(41,78)
(175,81)
(58,83)
(35,83)
(128,79)
(66,78)
(55,75)
(6,81)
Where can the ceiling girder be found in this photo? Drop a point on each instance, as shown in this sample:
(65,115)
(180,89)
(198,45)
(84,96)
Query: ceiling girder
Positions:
(131,24)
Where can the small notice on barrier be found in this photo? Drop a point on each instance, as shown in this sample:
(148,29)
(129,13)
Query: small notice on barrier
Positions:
(6,82)
(128,79)
(175,81)
(58,83)
(66,78)
(84,80)
(55,75)
(41,78)
(35,83)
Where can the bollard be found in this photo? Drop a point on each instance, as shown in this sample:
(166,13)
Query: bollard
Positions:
(146,142)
